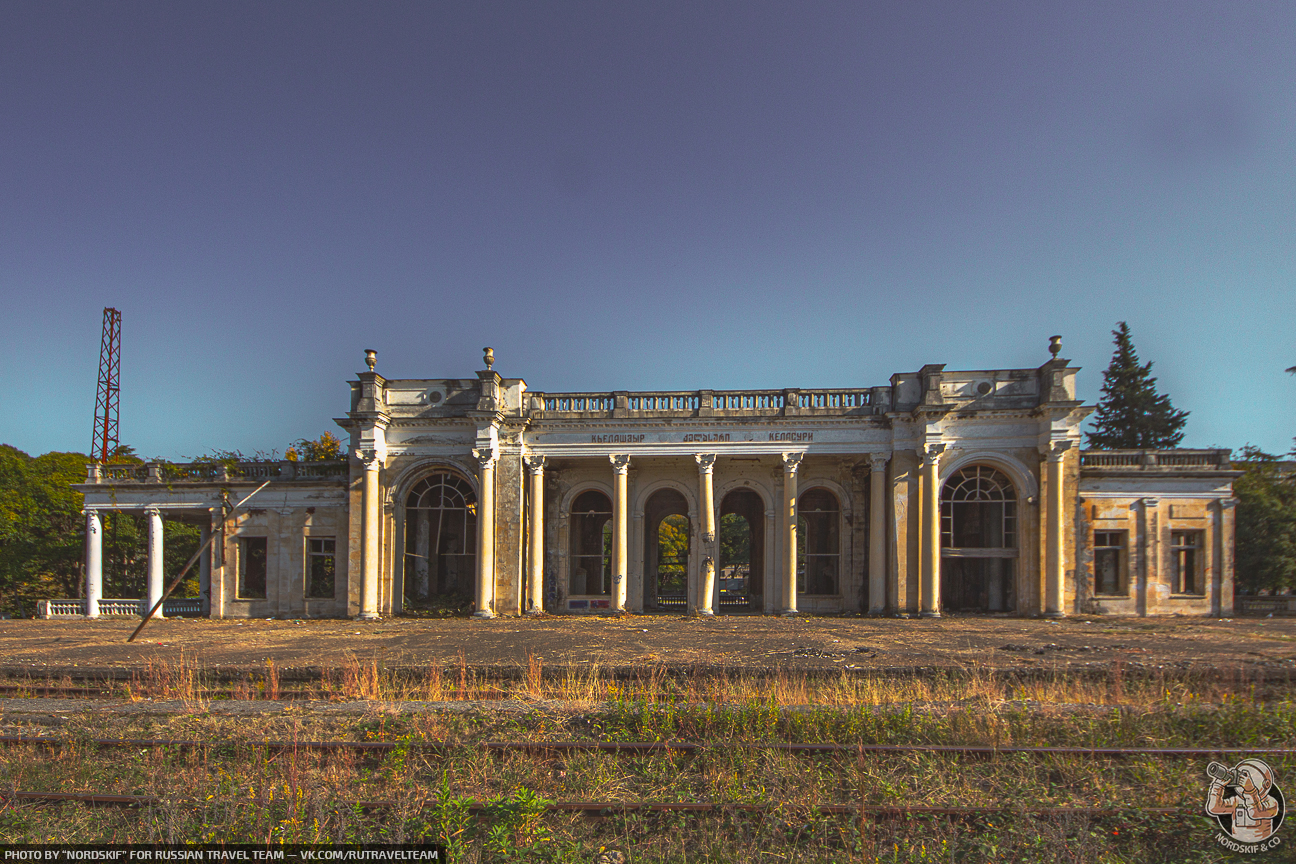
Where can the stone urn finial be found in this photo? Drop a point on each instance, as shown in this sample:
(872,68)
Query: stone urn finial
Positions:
(371,358)
(1055,346)
(489,355)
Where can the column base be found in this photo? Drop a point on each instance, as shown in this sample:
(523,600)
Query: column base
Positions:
(789,613)
(705,613)
(534,613)
(367,616)
(929,615)
(1054,614)
(484,615)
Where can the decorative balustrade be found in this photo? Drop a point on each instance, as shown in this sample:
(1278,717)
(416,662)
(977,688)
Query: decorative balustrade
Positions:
(172,607)
(663,402)
(1211,460)
(217,472)
(725,402)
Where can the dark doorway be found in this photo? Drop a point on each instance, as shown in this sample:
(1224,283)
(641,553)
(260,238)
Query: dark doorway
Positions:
(440,545)
(666,552)
(741,575)
(591,545)
(978,542)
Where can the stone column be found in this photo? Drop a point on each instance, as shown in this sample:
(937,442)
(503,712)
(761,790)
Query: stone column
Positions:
(370,547)
(94,563)
(929,534)
(154,586)
(1054,541)
(1223,600)
(706,489)
(791,461)
(204,567)
(877,533)
(534,604)
(486,536)
(620,528)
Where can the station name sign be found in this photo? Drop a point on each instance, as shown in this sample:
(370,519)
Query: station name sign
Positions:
(701,438)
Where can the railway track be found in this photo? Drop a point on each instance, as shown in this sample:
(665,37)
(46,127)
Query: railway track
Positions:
(609,808)
(639,748)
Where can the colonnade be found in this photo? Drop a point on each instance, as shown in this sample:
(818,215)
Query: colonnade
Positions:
(153,586)
(786,524)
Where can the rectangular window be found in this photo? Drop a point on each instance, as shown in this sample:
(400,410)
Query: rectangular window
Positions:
(252,568)
(1185,562)
(1110,564)
(319,568)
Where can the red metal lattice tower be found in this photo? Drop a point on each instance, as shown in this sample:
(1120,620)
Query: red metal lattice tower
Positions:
(109,395)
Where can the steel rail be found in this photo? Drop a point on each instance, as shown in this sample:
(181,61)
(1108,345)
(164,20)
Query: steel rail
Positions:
(604,808)
(117,692)
(653,747)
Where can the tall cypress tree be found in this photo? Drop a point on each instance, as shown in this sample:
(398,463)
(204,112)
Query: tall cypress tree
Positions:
(1131,414)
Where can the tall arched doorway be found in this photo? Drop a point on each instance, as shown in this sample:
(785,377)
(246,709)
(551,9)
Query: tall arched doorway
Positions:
(591,546)
(818,543)
(978,541)
(440,544)
(740,579)
(666,552)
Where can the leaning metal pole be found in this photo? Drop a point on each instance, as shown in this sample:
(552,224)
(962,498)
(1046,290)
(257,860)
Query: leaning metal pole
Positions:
(201,549)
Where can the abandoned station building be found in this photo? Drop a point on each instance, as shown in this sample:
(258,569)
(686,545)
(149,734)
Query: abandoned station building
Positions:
(942,491)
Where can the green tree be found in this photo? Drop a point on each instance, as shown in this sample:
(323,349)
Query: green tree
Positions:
(735,540)
(1265,528)
(1131,414)
(42,531)
(325,448)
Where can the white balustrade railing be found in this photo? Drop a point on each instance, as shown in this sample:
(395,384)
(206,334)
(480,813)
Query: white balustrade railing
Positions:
(1151,459)
(117,606)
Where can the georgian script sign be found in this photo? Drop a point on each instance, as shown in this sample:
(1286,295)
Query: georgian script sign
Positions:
(691,437)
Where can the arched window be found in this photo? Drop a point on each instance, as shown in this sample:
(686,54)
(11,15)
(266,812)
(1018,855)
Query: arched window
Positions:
(440,542)
(818,542)
(591,545)
(978,510)
(978,541)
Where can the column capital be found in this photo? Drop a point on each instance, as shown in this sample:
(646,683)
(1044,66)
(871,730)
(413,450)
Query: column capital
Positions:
(1055,450)
(930,454)
(878,461)
(369,458)
(535,464)
(791,462)
(1228,503)
(620,462)
(485,457)
(152,511)
(705,461)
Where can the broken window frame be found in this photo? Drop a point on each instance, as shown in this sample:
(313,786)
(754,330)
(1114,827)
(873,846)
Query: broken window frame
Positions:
(245,558)
(586,523)
(325,557)
(812,525)
(1111,544)
(1186,563)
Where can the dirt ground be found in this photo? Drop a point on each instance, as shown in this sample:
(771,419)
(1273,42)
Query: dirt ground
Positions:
(45,647)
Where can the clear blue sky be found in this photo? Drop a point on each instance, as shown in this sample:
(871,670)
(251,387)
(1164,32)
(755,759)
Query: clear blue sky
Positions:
(636,195)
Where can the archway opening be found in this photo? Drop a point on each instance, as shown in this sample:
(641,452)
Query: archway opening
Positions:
(978,542)
(440,545)
(591,546)
(741,579)
(666,552)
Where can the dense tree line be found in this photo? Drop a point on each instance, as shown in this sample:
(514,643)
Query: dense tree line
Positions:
(1265,529)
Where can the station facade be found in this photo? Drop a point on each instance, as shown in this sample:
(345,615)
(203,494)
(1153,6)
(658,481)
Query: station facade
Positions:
(940,492)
